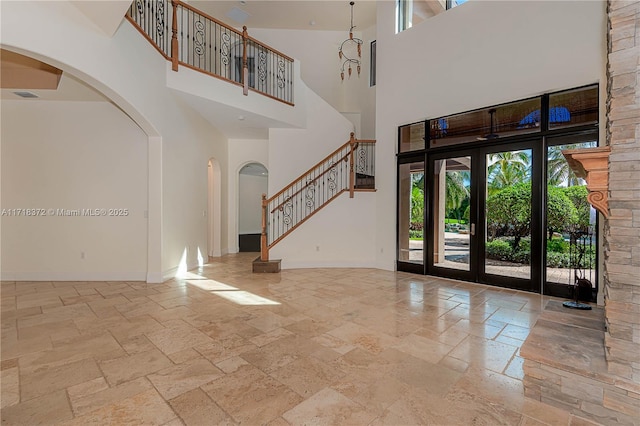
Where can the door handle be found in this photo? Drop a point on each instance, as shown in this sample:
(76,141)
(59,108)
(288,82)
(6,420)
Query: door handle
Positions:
(473,229)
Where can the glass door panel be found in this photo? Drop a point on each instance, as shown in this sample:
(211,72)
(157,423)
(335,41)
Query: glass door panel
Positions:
(450,210)
(571,238)
(411,213)
(508,214)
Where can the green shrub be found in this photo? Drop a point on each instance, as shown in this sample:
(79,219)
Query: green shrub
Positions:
(499,249)
(415,234)
(558,260)
(557,245)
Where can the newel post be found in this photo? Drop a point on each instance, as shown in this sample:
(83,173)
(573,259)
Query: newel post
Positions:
(352,174)
(174,37)
(245,66)
(264,248)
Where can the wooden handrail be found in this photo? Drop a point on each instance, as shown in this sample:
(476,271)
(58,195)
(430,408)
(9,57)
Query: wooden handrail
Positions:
(290,230)
(344,158)
(201,13)
(328,157)
(270,48)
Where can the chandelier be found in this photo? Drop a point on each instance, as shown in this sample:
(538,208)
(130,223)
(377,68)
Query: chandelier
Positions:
(346,51)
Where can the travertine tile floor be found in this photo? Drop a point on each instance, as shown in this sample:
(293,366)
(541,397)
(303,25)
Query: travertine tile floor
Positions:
(225,346)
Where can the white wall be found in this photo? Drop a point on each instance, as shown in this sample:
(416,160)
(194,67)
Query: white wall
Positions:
(340,235)
(320,65)
(130,72)
(72,155)
(250,193)
(479,54)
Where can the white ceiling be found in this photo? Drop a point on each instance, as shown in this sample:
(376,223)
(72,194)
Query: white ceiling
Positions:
(292,14)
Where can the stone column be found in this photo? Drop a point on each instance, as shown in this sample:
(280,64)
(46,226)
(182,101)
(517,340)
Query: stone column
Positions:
(622,230)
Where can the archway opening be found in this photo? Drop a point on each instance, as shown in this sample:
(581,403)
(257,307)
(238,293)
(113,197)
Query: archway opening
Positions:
(252,183)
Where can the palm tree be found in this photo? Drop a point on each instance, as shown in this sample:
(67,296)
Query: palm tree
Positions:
(507,169)
(456,189)
(558,170)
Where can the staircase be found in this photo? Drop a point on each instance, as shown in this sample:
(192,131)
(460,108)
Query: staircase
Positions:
(189,38)
(350,168)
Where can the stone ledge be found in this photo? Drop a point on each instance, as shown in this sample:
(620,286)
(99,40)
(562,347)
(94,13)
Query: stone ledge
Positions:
(565,366)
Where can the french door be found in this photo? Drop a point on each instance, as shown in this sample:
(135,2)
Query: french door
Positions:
(482,215)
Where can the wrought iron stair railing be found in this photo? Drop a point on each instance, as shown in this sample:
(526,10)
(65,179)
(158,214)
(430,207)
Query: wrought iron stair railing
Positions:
(349,168)
(198,41)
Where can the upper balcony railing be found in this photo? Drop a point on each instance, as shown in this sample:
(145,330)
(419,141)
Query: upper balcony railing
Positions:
(201,42)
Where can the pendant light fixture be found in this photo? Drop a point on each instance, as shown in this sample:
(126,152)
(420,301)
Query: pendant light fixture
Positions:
(348,50)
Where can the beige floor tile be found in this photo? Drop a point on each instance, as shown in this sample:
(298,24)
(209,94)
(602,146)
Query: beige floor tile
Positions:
(308,375)
(483,353)
(195,408)
(49,409)
(232,364)
(99,347)
(87,388)
(423,348)
(146,408)
(49,380)
(10,387)
(181,378)
(363,337)
(250,396)
(178,336)
(130,367)
(344,346)
(83,404)
(328,407)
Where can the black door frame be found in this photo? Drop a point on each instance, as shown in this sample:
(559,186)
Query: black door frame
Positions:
(477,251)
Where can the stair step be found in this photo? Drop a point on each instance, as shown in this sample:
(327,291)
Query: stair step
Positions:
(266,266)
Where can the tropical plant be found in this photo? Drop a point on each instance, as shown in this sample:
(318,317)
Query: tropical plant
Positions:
(509,213)
(456,189)
(558,170)
(507,168)
(561,212)
(578,196)
(417,204)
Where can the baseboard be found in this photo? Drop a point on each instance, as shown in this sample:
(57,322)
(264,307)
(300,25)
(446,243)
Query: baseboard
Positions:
(326,264)
(72,276)
(171,273)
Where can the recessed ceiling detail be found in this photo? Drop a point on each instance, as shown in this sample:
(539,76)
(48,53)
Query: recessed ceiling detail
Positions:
(21,72)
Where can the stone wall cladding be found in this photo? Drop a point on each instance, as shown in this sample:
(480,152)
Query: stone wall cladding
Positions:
(622,230)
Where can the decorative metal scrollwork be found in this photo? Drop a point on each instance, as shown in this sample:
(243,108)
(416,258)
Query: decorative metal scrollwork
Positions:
(140,6)
(280,73)
(224,49)
(362,161)
(332,176)
(310,194)
(287,210)
(160,18)
(262,66)
(198,38)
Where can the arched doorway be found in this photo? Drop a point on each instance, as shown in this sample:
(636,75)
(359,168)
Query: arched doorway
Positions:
(252,183)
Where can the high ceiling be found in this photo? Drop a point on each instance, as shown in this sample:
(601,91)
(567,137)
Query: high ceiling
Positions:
(291,14)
